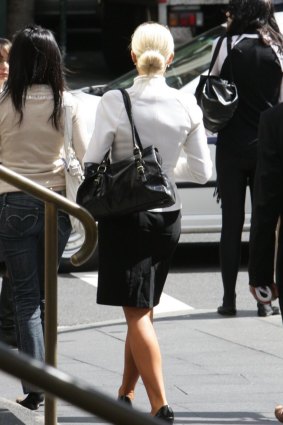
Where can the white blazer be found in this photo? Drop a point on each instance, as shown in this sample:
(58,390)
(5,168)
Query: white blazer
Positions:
(165,117)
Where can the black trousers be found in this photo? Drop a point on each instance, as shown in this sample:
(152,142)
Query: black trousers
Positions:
(234,175)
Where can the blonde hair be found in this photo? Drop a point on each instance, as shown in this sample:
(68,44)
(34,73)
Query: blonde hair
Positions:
(153,45)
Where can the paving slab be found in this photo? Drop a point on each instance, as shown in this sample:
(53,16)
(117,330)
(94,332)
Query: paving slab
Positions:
(217,370)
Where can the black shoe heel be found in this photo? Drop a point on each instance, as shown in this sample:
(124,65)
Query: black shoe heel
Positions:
(32,401)
(227,311)
(166,414)
(125,399)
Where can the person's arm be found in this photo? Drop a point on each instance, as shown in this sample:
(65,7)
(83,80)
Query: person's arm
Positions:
(107,117)
(79,131)
(197,165)
(267,199)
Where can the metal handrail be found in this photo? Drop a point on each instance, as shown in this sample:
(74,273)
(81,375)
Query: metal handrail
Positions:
(70,389)
(53,201)
(47,195)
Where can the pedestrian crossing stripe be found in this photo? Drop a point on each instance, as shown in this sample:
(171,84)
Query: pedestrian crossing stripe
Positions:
(167,303)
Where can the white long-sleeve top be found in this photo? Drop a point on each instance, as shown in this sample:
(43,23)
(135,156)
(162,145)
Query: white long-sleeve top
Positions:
(164,117)
(33,148)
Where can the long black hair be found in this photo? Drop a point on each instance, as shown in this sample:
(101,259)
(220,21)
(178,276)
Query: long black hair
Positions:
(35,58)
(254,16)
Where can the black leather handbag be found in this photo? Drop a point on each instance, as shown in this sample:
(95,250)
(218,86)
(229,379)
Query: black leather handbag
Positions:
(217,98)
(131,185)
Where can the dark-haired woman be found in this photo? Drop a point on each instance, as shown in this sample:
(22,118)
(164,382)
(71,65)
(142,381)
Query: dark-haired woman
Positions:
(31,140)
(7,322)
(255,64)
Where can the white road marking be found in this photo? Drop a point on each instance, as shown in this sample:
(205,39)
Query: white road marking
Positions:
(90,278)
(167,303)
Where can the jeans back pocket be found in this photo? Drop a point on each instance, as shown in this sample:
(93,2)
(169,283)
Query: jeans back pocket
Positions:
(19,220)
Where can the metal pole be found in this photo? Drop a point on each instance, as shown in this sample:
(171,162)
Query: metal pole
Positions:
(47,195)
(63,27)
(51,265)
(72,390)
(3,17)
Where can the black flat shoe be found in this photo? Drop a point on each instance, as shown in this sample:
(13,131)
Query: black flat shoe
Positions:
(125,399)
(227,311)
(166,414)
(32,401)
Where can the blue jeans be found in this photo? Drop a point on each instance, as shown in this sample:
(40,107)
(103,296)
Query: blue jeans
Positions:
(22,244)
(7,316)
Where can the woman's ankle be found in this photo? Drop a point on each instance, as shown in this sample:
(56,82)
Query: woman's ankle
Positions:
(156,406)
(123,392)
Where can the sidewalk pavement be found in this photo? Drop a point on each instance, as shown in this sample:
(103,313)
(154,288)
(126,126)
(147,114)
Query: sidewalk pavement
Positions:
(217,370)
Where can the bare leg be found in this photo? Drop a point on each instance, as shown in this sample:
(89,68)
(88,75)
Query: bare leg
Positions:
(145,355)
(131,373)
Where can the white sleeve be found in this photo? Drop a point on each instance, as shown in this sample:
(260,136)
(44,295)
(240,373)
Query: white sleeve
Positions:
(80,133)
(104,128)
(80,137)
(197,165)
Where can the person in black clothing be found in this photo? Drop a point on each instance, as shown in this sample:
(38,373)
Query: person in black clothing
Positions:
(266,236)
(254,65)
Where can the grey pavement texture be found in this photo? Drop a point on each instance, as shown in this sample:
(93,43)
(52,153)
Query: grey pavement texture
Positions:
(217,370)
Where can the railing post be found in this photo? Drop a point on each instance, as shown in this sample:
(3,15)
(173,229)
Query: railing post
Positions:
(51,265)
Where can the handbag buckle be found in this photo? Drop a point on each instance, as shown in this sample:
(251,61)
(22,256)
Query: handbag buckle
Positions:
(140,168)
(137,153)
(96,181)
(101,168)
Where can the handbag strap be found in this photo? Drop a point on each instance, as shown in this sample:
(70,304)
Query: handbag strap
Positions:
(68,129)
(128,105)
(215,53)
(217,49)
(135,135)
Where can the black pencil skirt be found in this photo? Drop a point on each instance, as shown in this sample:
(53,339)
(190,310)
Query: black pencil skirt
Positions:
(134,257)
